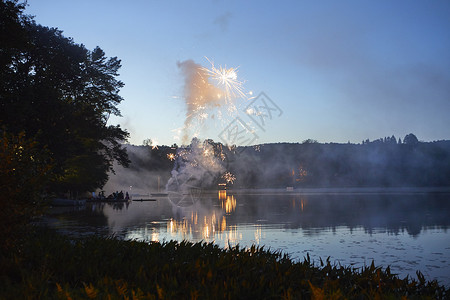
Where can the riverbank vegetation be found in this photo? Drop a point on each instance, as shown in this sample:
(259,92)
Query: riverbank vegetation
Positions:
(48,265)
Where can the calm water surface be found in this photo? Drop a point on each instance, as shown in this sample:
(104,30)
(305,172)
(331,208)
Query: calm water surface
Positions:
(409,232)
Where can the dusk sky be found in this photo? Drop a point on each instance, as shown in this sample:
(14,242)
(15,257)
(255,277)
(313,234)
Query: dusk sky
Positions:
(337,70)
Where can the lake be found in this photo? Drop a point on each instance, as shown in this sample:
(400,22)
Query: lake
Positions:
(406,230)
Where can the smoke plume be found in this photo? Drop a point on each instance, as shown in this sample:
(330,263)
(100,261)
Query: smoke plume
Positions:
(196,167)
(200,95)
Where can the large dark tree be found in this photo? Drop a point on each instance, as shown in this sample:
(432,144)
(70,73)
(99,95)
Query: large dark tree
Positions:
(410,139)
(60,94)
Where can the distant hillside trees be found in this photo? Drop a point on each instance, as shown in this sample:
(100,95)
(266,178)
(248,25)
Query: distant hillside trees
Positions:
(410,139)
(385,140)
(376,164)
(60,94)
(381,163)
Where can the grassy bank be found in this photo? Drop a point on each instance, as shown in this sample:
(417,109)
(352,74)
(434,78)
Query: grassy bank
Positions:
(47,265)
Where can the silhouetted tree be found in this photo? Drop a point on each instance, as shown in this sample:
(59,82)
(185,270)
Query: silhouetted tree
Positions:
(60,94)
(410,139)
(147,142)
(310,141)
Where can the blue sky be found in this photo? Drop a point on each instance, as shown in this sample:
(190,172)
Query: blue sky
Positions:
(339,70)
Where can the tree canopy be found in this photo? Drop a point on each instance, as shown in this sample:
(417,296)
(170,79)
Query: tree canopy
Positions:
(410,139)
(60,94)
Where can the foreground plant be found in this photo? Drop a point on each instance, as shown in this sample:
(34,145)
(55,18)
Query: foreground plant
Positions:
(50,265)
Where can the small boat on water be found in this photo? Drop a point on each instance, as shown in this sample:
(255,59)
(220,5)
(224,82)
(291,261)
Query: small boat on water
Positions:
(107,200)
(141,200)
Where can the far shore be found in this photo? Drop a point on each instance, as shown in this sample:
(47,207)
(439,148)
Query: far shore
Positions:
(346,190)
(287,190)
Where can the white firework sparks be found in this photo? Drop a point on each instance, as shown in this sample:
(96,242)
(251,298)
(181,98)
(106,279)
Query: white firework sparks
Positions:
(227,80)
(229,177)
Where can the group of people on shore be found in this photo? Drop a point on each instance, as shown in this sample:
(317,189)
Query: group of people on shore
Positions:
(115,196)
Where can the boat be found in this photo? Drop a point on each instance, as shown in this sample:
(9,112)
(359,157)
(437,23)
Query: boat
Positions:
(141,200)
(106,200)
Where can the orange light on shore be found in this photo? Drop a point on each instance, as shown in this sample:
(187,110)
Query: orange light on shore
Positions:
(299,174)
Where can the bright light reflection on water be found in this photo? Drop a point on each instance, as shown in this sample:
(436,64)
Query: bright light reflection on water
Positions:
(408,232)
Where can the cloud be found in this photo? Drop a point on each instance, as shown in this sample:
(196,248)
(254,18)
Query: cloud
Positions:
(223,21)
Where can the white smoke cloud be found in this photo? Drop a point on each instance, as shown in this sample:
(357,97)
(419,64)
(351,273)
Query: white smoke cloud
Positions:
(196,167)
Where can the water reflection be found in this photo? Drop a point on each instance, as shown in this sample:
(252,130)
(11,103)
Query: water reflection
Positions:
(205,219)
(228,202)
(213,214)
(408,232)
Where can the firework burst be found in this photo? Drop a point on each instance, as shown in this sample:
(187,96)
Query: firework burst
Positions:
(229,177)
(227,80)
(210,95)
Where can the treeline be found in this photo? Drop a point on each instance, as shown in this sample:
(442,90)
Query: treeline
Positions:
(409,139)
(345,165)
(312,164)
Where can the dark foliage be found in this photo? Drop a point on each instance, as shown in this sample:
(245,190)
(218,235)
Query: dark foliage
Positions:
(24,172)
(51,266)
(60,94)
